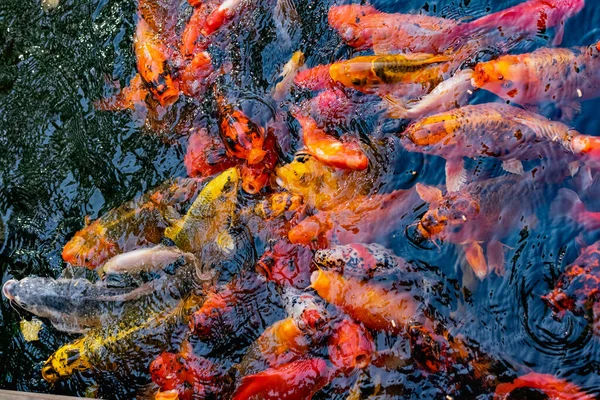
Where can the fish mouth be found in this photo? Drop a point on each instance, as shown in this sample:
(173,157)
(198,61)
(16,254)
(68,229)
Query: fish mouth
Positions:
(8,289)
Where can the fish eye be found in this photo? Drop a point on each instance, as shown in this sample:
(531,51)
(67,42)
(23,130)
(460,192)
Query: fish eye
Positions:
(500,77)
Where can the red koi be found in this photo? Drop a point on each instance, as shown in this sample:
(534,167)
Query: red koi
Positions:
(553,387)
(298,380)
(206,155)
(350,346)
(287,264)
(256,176)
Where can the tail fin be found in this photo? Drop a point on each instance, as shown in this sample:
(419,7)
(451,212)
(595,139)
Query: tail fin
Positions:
(566,204)
(395,108)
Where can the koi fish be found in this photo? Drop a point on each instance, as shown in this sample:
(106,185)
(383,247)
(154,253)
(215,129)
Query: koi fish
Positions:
(138,223)
(297,380)
(288,74)
(350,346)
(528,19)
(364,219)
(291,338)
(578,285)
(330,106)
(160,15)
(188,375)
(364,27)
(328,150)
(256,176)
(242,137)
(206,155)
(278,204)
(384,74)
(551,386)
(377,305)
(218,17)
(236,312)
(557,75)
(496,130)
(78,305)
(479,213)
(195,77)
(451,93)
(137,338)
(209,217)
(152,56)
(131,97)
(286,264)
(316,78)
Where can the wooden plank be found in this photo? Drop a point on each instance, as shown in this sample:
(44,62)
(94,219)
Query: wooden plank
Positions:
(11,395)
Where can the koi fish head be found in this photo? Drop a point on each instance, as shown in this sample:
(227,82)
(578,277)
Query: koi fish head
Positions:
(213,319)
(351,346)
(502,76)
(346,19)
(43,297)
(309,230)
(433,130)
(164,89)
(301,174)
(64,362)
(446,215)
(357,260)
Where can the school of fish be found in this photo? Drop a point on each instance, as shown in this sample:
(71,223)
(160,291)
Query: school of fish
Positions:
(267,273)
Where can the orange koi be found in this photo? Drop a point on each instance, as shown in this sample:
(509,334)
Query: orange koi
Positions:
(389,73)
(222,14)
(557,75)
(242,137)
(256,176)
(316,78)
(377,306)
(160,15)
(554,388)
(329,150)
(500,131)
(135,224)
(578,287)
(153,57)
(192,39)
(365,27)
(298,380)
(360,220)
(350,346)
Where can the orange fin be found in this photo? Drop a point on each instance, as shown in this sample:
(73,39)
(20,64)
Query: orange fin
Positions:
(476,259)
(429,194)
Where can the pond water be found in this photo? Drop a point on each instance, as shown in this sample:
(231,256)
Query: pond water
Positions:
(62,160)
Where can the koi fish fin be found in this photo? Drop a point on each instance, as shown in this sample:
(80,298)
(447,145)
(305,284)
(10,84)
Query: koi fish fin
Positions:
(551,130)
(225,242)
(513,166)
(495,256)
(574,168)
(130,97)
(456,174)
(566,204)
(429,194)
(559,33)
(476,259)
(395,108)
(586,178)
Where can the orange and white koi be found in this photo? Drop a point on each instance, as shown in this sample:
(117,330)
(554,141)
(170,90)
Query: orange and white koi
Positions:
(558,75)
(552,387)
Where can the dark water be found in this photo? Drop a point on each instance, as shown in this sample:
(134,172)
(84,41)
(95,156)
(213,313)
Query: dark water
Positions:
(61,160)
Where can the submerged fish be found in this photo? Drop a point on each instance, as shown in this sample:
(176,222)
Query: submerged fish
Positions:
(379,306)
(541,385)
(578,286)
(206,155)
(480,213)
(350,346)
(137,223)
(256,177)
(500,131)
(132,342)
(558,75)
(288,74)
